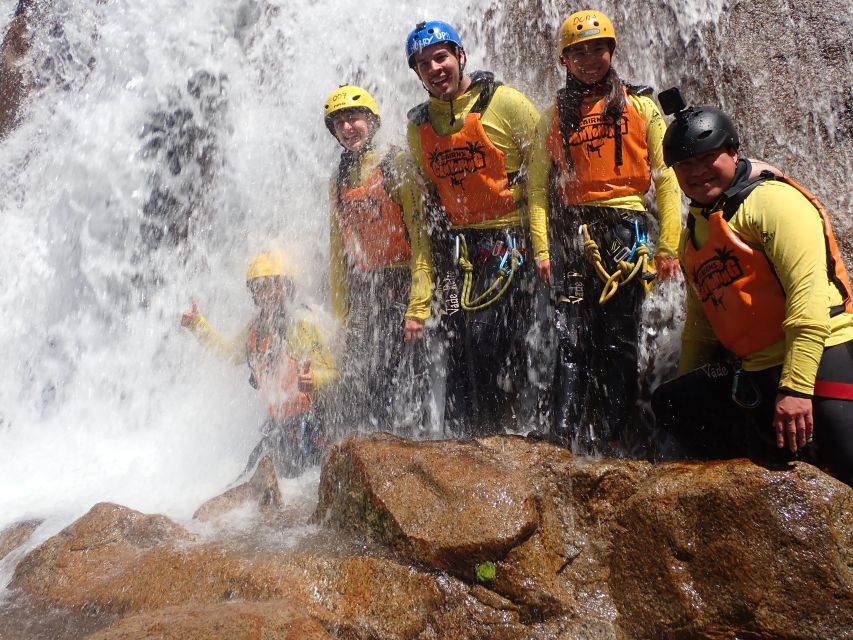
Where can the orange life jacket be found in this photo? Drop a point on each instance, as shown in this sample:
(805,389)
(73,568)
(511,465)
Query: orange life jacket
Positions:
(739,291)
(276,374)
(467,169)
(372,228)
(603,161)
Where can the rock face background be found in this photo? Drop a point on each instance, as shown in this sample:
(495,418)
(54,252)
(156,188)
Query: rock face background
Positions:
(783,71)
(500,537)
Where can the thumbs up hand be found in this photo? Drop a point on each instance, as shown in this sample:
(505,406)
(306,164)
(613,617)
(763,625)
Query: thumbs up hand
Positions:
(189,318)
(306,377)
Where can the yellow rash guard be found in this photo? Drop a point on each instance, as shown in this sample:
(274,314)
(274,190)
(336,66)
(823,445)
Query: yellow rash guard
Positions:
(304,340)
(667,194)
(406,193)
(510,123)
(778,220)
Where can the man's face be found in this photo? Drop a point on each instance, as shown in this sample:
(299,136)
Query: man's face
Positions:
(269,292)
(353,128)
(439,69)
(704,177)
(589,61)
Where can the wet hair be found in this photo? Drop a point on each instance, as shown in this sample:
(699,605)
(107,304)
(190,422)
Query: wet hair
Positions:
(569,101)
(576,91)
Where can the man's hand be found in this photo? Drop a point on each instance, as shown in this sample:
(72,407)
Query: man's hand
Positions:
(189,318)
(793,422)
(666,268)
(413,330)
(543,270)
(306,378)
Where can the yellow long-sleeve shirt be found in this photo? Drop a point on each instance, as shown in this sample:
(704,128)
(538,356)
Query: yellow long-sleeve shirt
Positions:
(779,221)
(303,340)
(403,190)
(510,123)
(667,194)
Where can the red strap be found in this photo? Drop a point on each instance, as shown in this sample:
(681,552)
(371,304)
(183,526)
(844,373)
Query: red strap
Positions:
(837,390)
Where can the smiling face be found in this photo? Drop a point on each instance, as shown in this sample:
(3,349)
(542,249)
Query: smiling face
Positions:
(441,71)
(704,177)
(270,292)
(354,128)
(589,61)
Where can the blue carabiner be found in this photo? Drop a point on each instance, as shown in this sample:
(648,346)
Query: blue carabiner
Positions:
(639,239)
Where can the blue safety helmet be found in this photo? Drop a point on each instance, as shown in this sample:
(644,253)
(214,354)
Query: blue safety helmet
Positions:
(426,34)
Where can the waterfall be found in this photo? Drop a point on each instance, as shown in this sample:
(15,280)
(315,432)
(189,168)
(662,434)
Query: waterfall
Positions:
(163,143)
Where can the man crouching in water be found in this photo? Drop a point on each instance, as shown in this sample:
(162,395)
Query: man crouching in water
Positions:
(288,362)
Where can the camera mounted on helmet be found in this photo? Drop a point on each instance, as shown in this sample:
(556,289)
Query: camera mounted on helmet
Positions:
(672,102)
(695,130)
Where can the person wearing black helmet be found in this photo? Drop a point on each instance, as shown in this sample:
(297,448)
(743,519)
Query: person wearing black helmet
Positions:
(767,350)
(472,140)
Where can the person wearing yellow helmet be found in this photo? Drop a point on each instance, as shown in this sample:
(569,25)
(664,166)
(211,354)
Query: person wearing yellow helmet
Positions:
(289,363)
(597,152)
(471,141)
(374,200)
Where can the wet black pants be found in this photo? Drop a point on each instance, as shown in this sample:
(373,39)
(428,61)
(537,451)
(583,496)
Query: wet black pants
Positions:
(486,355)
(699,410)
(292,444)
(595,385)
(373,348)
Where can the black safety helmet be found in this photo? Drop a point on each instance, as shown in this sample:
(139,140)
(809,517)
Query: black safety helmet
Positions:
(697,130)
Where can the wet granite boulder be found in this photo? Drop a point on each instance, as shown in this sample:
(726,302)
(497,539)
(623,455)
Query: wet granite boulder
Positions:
(677,549)
(499,537)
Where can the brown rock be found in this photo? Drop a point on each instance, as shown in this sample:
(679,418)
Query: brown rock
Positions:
(446,504)
(13,83)
(649,550)
(261,490)
(581,549)
(736,548)
(15,535)
(231,621)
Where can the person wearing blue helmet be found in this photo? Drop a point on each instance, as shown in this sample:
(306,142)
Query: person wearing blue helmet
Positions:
(471,140)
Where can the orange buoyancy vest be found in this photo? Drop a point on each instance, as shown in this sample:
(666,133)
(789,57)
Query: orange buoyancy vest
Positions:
(605,162)
(739,291)
(741,295)
(467,169)
(834,264)
(372,228)
(277,376)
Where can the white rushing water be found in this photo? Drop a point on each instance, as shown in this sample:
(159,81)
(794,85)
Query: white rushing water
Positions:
(102,396)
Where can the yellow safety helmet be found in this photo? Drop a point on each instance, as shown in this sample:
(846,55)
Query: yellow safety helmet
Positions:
(348,97)
(583,26)
(272,263)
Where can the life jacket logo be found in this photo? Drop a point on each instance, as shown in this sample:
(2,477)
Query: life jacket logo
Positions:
(596,127)
(712,276)
(362,212)
(458,162)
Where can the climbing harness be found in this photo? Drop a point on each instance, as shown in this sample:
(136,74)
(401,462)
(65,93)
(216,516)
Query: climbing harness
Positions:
(630,263)
(501,284)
